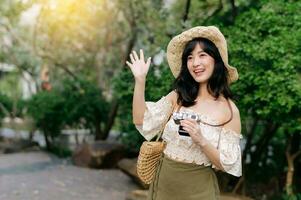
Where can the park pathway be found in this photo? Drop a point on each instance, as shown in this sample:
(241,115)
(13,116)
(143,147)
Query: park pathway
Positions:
(42,176)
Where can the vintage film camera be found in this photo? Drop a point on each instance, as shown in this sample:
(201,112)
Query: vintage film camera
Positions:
(178,116)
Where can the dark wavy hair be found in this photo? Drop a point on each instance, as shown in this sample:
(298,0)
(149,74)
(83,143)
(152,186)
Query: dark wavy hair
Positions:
(187,88)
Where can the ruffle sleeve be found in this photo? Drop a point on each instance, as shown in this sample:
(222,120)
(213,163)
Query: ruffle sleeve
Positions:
(155,117)
(230,152)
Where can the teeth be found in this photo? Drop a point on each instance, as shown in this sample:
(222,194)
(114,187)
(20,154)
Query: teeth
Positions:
(200,70)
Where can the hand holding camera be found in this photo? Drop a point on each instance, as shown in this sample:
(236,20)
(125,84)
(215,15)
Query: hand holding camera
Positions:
(179,116)
(189,126)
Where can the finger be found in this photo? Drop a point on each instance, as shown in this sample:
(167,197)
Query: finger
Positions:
(141,55)
(188,123)
(192,121)
(148,61)
(184,124)
(132,58)
(193,129)
(129,64)
(135,55)
(188,130)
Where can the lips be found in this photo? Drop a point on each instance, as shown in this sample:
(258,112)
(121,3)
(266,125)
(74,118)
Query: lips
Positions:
(198,71)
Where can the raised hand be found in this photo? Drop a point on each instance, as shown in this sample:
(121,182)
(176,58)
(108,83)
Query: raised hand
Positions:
(138,65)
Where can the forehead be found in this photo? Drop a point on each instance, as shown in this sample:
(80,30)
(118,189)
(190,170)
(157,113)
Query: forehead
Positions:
(197,48)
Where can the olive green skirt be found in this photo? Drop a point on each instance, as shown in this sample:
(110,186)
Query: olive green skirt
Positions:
(183,181)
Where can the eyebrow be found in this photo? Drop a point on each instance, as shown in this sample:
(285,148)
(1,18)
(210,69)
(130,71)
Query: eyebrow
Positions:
(202,51)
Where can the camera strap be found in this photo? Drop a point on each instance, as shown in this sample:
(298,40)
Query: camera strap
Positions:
(162,129)
(222,124)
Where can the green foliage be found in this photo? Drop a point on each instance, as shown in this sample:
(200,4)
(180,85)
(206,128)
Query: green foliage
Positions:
(84,104)
(266,55)
(77,104)
(47,110)
(291,197)
(10,107)
(9,84)
(61,151)
(6,102)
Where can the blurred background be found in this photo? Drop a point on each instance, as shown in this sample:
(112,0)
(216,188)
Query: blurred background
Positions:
(66,93)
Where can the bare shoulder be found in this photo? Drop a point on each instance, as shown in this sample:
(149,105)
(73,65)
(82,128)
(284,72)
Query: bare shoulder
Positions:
(234,107)
(172,97)
(235,123)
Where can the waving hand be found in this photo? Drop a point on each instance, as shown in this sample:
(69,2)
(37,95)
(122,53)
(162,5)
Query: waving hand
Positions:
(139,66)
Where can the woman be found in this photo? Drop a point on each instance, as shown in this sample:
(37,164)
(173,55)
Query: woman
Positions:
(198,59)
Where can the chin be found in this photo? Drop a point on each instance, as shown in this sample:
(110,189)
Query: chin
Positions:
(201,79)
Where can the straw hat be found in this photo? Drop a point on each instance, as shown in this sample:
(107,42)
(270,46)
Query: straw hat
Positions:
(176,47)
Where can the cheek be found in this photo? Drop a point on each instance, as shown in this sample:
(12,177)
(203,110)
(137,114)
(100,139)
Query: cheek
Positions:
(211,68)
(210,65)
(189,66)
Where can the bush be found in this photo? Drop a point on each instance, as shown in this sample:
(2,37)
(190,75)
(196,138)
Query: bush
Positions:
(76,104)
(47,110)
(85,105)
(6,105)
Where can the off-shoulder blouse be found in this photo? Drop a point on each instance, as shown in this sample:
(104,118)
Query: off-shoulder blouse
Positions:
(182,148)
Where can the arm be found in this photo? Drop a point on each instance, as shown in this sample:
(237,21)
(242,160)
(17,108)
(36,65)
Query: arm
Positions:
(209,150)
(139,105)
(155,116)
(139,69)
(148,117)
(138,102)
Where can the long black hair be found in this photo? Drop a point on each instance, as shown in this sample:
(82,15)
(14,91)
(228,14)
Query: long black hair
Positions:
(187,88)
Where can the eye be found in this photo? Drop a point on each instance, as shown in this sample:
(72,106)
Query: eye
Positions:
(202,54)
(189,57)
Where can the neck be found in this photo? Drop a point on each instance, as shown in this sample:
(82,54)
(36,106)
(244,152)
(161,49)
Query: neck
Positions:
(203,93)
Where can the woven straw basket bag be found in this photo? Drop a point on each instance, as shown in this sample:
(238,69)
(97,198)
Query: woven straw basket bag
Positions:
(148,159)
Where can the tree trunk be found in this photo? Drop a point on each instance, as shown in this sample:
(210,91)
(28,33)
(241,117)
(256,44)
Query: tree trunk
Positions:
(268,133)
(233,9)
(111,119)
(290,156)
(289,174)
(186,13)
(103,133)
(98,132)
(47,140)
(31,134)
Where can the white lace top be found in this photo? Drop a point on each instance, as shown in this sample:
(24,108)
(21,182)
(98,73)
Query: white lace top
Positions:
(182,148)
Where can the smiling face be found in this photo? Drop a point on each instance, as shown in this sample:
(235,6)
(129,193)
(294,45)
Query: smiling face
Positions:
(200,64)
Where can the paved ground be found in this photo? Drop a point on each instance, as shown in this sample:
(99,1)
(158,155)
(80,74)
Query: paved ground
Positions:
(40,176)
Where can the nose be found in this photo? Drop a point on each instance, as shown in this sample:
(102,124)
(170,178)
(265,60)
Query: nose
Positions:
(196,62)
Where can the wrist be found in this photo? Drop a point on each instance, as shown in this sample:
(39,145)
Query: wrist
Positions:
(140,80)
(203,142)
